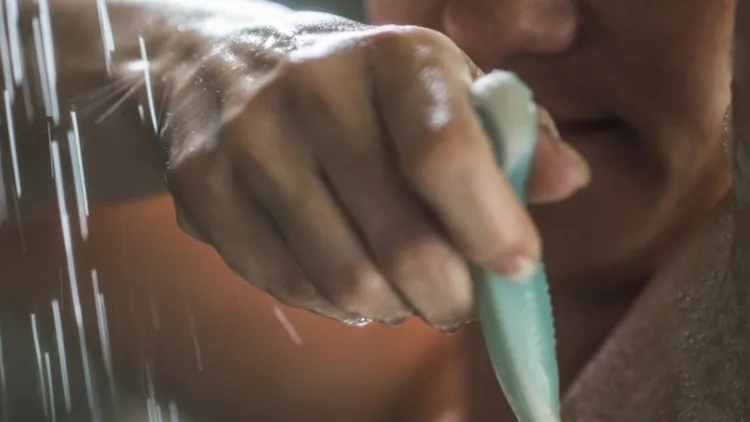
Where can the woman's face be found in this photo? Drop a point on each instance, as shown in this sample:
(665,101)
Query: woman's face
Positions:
(639,87)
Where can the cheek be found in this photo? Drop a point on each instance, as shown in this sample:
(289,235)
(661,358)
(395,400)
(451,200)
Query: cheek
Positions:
(676,86)
(426,13)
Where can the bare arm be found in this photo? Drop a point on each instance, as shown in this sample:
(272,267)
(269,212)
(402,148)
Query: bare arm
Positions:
(106,88)
(180,25)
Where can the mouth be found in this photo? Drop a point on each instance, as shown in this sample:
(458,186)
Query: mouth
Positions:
(573,130)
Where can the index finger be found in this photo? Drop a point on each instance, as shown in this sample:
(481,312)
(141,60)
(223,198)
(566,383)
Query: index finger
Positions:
(446,156)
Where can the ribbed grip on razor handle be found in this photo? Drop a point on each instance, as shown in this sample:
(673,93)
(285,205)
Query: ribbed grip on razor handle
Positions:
(516,318)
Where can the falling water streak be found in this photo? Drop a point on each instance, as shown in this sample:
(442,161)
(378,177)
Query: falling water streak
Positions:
(147,76)
(95,98)
(5,54)
(3,190)
(41,66)
(62,296)
(80,188)
(16,51)
(174,412)
(3,385)
(81,174)
(196,345)
(49,57)
(142,356)
(27,101)
(101,318)
(19,222)
(61,354)
(51,161)
(152,406)
(158,413)
(39,365)
(129,93)
(108,39)
(163,108)
(281,316)
(67,239)
(141,113)
(20,69)
(151,409)
(105,324)
(12,140)
(154,311)
(3,193)
(118,328)
(50,388)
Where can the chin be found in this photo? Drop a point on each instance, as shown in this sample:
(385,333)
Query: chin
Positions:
(609,229)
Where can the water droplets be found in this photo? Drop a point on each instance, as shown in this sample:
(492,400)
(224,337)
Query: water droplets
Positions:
(61,354)
(108,39)
(359,322)
(288,327)
(101,318)
(72,275)
(40,365)
(147,77)
(50,387)
(3,382)
(196,344)
(48,57)
(79,176)
(12,140)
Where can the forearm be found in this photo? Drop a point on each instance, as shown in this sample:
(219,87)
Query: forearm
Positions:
(118,154)
(172,30)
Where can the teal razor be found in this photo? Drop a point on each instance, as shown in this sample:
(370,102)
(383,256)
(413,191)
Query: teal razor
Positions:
(516,318)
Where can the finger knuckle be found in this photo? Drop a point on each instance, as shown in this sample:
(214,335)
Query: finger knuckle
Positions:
(315,89)
(444,281)
(401,40)
(416,45)
(443,156)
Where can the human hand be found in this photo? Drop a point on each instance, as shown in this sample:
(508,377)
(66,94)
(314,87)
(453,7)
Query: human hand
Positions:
(343,170)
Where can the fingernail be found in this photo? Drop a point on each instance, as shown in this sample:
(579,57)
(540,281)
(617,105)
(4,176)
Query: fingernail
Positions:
(578,171)
(547,123)
(451,330)
(519,268)
(394,322)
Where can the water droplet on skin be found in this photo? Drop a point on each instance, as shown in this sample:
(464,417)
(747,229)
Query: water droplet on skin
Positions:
(361,322)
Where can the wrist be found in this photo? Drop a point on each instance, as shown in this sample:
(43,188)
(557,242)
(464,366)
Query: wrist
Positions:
(213,79)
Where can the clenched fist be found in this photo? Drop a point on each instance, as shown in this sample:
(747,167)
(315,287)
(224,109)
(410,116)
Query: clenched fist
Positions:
(341,168)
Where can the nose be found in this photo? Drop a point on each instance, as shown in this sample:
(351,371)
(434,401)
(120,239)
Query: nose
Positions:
(491,30)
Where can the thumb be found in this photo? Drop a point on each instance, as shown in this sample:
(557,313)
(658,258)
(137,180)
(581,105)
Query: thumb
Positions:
(558,171)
